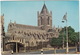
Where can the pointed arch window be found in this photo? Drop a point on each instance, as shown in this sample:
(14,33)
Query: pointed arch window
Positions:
(48,20)
(13,37)
(41,20)
(32,44)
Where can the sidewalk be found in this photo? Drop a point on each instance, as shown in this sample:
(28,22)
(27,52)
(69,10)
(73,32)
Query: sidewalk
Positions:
(78,53)
(5,52)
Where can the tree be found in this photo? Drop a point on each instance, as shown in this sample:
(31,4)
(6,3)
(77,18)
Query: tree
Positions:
(74,38)
(56,42)
(72,35)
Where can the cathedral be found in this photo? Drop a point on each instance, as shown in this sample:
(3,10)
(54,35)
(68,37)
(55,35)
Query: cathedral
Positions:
(20,37)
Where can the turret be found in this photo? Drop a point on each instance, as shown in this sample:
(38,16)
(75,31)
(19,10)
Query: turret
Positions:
(2,25)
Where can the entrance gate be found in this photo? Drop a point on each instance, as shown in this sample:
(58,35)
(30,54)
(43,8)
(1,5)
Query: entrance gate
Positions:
(15,46)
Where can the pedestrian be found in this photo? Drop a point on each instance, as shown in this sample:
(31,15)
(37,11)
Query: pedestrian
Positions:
(12,51)
(41,51)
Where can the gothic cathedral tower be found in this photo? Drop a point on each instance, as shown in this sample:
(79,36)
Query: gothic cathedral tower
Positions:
(45,18)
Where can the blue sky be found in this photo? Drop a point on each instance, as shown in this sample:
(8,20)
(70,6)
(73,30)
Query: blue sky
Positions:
(25,12)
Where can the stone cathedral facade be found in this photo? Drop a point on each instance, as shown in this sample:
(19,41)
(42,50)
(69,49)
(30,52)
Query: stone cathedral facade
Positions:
(20,37)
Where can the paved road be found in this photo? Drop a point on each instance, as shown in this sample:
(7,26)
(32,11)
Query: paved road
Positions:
(45,52)
(52,51)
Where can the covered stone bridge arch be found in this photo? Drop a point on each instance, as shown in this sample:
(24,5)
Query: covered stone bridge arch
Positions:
(15,46)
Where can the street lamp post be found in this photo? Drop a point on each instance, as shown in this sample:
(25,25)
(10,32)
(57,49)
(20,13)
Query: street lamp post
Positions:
(65,19)
(67,38)
(63,38)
